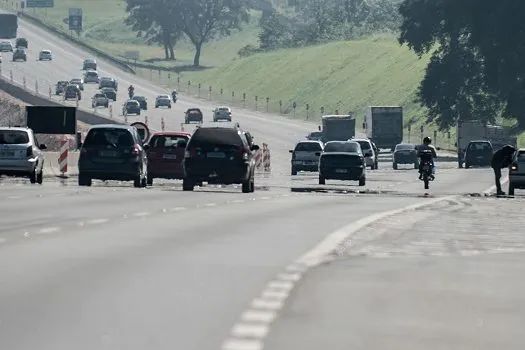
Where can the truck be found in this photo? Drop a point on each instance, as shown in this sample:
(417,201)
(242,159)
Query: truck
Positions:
(473,130)
(383,125)
(8,25)
(337,127)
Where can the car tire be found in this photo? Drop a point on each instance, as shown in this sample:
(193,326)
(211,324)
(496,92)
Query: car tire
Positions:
(246,186)
(137,183)
(40,177)
(150,180)
(467,165)
(394,166)
(169,106)
(511,189)
(416,165)
(33,177)
(294,171)
(84,180)
(322,180)
(252,185)
(362,181)
(187,184)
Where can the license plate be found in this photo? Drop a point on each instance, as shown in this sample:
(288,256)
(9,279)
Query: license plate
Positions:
(216,155)
(108,153)
(480,157)
(425,167)
(169,156)
(341,170)
(7,154)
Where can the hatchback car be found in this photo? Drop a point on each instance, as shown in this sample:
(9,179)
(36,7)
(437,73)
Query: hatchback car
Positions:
(21,42)
(478,153)
(193,115)
(131,107)
(342,160)
(61,86)
(45,55)
(165,155)
(108,82)
(371,158)
(89,63)
(20,154)
(163,101)
(305,156)
(222,113)
(111,93)
(219,156)
(405,153)
(99,99)
(91,77)
(72,92)
(6,46)
(112,152)
(19,55)
(142,101)
(79,82)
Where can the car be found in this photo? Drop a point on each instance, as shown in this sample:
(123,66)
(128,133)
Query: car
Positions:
(79,82)
(405,153)
(517,171)
(21,43)
(61,86)
(305,156)
(315,136)
(131,107)
(6,46)
(222,113)
(112,152)
(110,93)
(142,101)
(91,76)
(219,156)
(165,156)
(20,154)
(19,55)
(193,115)
(367,148)
(0,57)
(108,82)
(89,63)
(478,153)
(72,92)
(163,101)
(45,55)
(99,99)
(342,160)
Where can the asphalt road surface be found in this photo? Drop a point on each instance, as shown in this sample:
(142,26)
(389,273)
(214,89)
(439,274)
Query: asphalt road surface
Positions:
(114,267)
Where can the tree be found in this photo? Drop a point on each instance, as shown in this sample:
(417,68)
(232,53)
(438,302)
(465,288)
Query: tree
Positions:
(203,20)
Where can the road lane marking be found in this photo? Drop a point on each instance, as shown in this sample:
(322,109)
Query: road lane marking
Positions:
(210,204)
(97,221)
(142,214)
(234,344)
(294,277)
(244,330)
(177,209)
(258,316)
(48,230)
(267,304)
(274,295)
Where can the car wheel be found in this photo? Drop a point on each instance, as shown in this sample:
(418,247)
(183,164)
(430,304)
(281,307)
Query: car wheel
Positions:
(294,171)
(362,181)
(150,180)
(137,183)
(33,177)
(169,106)
(252,185)
(40,177)
(511,189)
(467,165)
(187,184)
(322,180)
(144,181)
(84,180)
(394,166)
(246,186)
(416,165)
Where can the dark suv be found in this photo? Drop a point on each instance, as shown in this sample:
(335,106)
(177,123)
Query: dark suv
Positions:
(193,115)
(478,153)
(113,152)
(219,156)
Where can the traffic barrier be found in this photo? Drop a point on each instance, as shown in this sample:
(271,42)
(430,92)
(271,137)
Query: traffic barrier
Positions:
(146,119)
(50,93)
(62,159)
(24,82)
(258,159)
(36,87)
(111,110)
(266,157)
(181,126)
(162,124)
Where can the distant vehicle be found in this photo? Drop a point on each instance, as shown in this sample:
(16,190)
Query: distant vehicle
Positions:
(6,46)
(165,155)
(89,63)
(342,161)
(108,82)
(142,101)
(163,101)
(79,82)
(405,153)
(8,26)
(45,55)
(517,172)
(193,115)
(305,156)
(91,76)
(110,93)
(99,99)
(384,125)
(19,55)
(315,136)
(478,153)
(371,157)
(112,152)
(222,113)
(61,86)
(21,43)
(131,107)
(219,156)
(337,127)
(20,154)
(72,92)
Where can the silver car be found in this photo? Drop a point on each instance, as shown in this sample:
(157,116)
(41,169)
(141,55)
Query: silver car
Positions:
(45,55)
(222,113)
(78,82)
(305,156)
(20,154)
(368,152)
(91,76)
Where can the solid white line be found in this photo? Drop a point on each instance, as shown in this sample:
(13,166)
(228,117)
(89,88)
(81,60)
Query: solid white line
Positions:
(49,230)
(237,344)
(144,213)
(284,285)
(266,304)
(243,330)
(97,221)
(275,295)
(258,316)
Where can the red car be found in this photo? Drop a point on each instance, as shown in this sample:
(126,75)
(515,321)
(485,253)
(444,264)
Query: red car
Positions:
(165,152)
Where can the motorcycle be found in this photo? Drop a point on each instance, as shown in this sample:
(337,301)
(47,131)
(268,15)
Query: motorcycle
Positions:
(131,92)
(174,97)
(426,167)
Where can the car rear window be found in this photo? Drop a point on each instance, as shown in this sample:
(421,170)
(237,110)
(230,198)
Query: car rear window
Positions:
(405,147)
(92,74)
(165,141)
(225,109)
(308,147)
(117,138)
(365,145)
(342,147)
(13,137)
(204,137)
(480,147)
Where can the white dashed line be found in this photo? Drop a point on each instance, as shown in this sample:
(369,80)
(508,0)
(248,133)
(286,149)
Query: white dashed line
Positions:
(264,198)
(282,285)
(250,331)
(275,295)
(266,304)
(210,204)
(97,221)
(289,277)
(13,197)
(258,316)
(141,214)
(177,209)
(48,230)
(238,201)
(235,344)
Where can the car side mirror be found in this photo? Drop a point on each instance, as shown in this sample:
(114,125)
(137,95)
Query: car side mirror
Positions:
(254,147)
(290,151)
(43,146)
(317,153)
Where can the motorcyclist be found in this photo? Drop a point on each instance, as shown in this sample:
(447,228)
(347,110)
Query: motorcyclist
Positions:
(501,159)
(426,146)
(131,90)
(174,95)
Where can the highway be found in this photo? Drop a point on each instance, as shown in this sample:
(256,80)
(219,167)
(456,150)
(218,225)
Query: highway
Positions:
(114,267)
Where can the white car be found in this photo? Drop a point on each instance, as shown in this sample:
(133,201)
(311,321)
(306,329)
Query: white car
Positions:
(79,82)
(45,55)
(91,76)
(368,152)
(163,101)
(6,46)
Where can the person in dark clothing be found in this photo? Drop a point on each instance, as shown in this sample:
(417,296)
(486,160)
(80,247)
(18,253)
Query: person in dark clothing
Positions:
(501,159)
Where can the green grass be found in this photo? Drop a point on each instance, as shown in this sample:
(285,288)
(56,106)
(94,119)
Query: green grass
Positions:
(104,28)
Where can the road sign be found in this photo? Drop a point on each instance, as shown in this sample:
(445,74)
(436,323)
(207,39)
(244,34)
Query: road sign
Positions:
(143,130)
(75,19)
(40,3)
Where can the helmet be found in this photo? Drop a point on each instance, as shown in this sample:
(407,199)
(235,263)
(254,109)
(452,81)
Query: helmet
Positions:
(427,140)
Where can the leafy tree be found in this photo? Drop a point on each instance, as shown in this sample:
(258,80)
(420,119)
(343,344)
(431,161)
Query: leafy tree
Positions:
(276,32)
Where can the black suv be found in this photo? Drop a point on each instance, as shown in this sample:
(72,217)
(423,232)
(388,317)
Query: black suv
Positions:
(71,92)
(22,43)
(61,86)
(19,55)
(193,115)
(478,153)
(219,156)
(113,152)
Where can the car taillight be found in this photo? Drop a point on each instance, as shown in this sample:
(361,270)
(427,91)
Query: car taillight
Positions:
(514,167)
(29,151)
(135,151)
(243,154)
